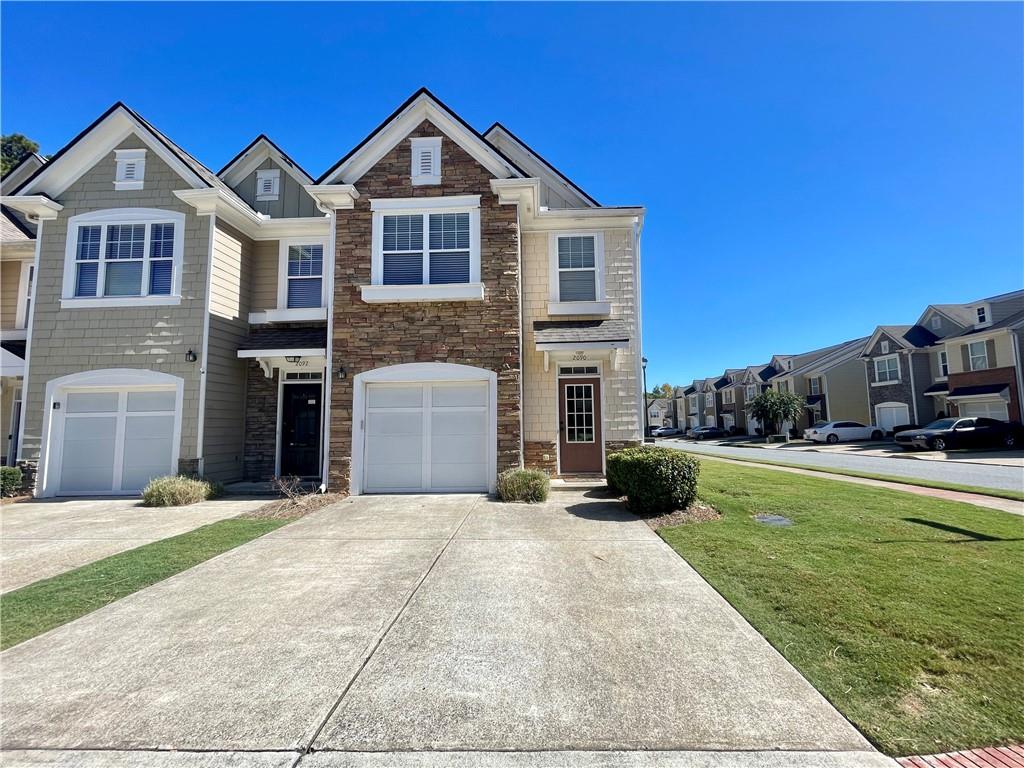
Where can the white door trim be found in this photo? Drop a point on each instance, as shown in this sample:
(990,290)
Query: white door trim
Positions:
(282,382)
(420,373)
(110,378)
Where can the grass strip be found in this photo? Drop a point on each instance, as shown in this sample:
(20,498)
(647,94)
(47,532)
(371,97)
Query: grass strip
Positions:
(903,610)
(46,604)
(998,493)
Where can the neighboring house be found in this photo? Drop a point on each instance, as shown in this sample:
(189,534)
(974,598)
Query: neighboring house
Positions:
(833,385)
(904,380)
(17,252)
(438,306)
(660,412)
(710,402)
(793,377)
(751,382)
(731,399)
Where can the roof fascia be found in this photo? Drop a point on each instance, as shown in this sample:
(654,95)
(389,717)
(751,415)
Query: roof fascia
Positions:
(249,159)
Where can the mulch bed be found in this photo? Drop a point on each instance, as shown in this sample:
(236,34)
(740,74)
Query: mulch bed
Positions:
(698,512)
(289,509)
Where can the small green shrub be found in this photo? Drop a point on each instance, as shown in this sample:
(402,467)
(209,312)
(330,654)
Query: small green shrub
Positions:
(10,481)
(529,485)
(177,491)
(653,480)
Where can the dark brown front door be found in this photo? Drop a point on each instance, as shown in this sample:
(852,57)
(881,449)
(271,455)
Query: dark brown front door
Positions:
(579,420)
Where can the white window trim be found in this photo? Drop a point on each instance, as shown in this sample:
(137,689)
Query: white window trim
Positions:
(986,310)
(377,292)
(888,382)
(122,216)
(943,363)
(747,394)
(971,356)
(728,397)
(282,277)
(24,290)
(122,158)
(884,346)
(430,144)
(936,323)
(600,306)
(282,382)
(813,382)
(274,174)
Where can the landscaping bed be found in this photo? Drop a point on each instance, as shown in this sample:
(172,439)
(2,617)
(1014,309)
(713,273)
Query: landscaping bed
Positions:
(904,611)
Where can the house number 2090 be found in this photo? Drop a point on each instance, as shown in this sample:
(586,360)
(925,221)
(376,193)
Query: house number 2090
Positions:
(579,356)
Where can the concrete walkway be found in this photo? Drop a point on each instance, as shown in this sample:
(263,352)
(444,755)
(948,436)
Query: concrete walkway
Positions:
(424,631)
(40,539)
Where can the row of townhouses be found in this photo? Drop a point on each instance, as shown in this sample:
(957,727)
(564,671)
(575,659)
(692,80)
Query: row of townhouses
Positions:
(439,305)
(956,360)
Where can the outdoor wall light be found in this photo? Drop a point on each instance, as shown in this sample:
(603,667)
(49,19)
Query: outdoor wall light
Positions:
(293,359)
(190,357)
(342,373)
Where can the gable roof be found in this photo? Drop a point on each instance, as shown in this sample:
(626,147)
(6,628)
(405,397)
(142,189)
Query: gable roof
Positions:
(1011,321)
(907,336)
(840,353)
(25,167)
(553,177)
(11,228)
(258,150)
(422,105)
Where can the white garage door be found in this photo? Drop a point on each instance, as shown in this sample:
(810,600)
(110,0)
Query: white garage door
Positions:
(116,441)
(992,409)
(426,437)
(891,415)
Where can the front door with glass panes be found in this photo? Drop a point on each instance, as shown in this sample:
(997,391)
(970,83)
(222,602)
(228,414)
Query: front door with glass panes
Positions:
(581,448)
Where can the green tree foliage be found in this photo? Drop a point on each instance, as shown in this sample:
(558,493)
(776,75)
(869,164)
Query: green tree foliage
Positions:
(13,148)
(772,408)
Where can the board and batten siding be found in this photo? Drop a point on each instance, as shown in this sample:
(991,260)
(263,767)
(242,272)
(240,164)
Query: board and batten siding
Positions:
(224,421)
(292,200)
(67,341)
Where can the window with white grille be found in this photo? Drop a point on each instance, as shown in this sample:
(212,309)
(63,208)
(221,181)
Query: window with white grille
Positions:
(936,323)
(943,364)
(814,386)
(885,347)
(268,184)
(887,369)
(426,160)
(305,276)
(751,391)
(130,170)
(977,352)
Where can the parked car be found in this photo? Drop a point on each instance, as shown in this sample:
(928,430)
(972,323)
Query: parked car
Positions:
(841,431)
(949,433)
(665,431)
(703,433)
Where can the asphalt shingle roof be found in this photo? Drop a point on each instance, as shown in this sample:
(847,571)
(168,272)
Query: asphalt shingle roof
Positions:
(285,338)
(573,331)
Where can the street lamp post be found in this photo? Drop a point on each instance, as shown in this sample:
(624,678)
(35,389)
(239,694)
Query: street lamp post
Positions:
(647,404)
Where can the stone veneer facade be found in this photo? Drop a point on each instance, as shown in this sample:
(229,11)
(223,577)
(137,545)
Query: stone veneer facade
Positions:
(481,334)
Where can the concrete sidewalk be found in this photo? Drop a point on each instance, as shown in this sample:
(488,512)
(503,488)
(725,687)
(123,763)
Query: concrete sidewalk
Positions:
(424,631)
(40,539)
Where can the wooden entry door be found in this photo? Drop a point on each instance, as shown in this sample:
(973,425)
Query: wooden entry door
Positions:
(580,444)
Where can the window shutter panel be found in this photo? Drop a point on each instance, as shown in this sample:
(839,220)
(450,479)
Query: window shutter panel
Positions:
(965,356)
(990,350)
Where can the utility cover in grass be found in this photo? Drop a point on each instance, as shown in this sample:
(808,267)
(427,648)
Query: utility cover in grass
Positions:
(777,520)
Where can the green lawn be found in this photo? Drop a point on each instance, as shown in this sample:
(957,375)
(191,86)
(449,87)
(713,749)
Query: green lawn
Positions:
(39,607)
(906,612)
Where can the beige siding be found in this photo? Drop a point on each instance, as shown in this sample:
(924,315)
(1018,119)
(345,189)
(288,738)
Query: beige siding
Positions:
(622,419)
(848,392)
(224,423)
(10,279)
(265,265)
(1003,352)
(67,341)
(8,386)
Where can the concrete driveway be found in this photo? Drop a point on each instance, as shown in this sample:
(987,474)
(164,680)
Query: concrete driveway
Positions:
(424,631)
(40,539)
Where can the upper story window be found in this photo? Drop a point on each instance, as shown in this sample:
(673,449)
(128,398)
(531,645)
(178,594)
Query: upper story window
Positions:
(693,402)
(751,391)
(302,274)
(936,323)
(783,386)
(425,249)
(268,184)
(130,170)
(729,396)
(884,347)
(25,288)
(426,160)
(577,274)
(943,364)
(814,386)
(977,353)
(709,399)
(887,369)
(124,256)
(982,313)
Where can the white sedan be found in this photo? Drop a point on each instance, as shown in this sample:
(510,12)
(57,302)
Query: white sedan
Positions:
(837,431)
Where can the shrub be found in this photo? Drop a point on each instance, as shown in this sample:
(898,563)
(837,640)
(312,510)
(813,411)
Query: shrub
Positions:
(529,485)
(177,491)
(10,481)
(653,480)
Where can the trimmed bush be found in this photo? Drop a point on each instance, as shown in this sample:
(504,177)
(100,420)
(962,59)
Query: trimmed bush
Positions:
(177,491)
(653,480)
(529,485)
(10,481)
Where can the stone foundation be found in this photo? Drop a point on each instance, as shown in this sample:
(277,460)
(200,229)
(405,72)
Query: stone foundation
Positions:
(188,467)
(29,471)
(260,457)
(541,455)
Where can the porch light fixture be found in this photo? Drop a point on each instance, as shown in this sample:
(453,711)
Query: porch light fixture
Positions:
(342,373)
(292,359)
(190,357)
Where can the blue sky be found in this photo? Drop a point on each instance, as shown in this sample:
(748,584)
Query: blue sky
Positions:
(809,171)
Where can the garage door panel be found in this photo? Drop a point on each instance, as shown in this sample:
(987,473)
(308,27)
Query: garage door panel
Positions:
(394,476)
(458,395)
(151,401)
(92,402)
(88,455)
(386,449)
(388,396)
(147,440)
(391,423)
(458,423)
(450,449)
(469,477)
(991,409)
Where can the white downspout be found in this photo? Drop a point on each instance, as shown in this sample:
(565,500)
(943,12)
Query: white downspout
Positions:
(641,395)
(522,330)
(913,389)
(201,421)
(29,322)
(325,431)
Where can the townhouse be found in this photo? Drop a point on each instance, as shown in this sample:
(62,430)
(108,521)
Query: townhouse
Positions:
(802,374)
(439,305)
(752,382)
(661,412)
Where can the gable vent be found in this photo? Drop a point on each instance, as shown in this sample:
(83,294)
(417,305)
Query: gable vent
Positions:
(426,160)
(130,171)
(268,184)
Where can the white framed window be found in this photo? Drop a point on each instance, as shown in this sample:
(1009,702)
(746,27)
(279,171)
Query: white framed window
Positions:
(426,160)
(728,397)
(887,369)
(25,287)
(814,385)
(268,184)
(425,249)
(693,403)
(130,172)
(783,386)
(709,400)
(123,257)
(751,391)
(977,353)
(576,283)
(885,347)
(943,365)
(936,323)
(982,314)
(301,282)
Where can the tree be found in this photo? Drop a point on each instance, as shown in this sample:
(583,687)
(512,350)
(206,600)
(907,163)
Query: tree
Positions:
(772,408)
(13,149)
(665,390)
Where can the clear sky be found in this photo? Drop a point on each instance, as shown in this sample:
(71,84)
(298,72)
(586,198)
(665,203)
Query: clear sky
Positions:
(810,171)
